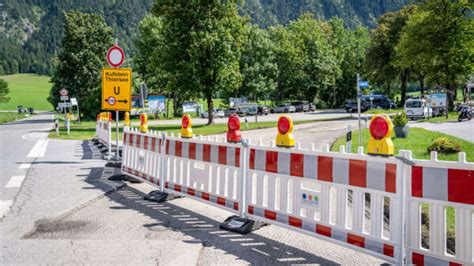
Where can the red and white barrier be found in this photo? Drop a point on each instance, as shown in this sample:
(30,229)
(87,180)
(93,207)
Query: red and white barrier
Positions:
(103,132)
(439,185)
(335,196)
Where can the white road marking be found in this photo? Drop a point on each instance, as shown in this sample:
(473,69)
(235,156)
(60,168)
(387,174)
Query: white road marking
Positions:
(15,181)
(25,165)
(39,149)
(5,207)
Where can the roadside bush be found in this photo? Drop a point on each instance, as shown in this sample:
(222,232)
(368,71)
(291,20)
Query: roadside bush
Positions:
(444,145)
(400,119)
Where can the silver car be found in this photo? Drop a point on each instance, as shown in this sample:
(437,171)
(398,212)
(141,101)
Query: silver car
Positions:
(285,108)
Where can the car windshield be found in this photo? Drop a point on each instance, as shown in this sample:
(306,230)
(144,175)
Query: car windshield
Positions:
(413,104)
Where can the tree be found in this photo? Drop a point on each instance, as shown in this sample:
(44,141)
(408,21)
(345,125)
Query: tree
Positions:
(438,41)
(381,55)
(257,64)
(78,69)
(4,90)
(202,47)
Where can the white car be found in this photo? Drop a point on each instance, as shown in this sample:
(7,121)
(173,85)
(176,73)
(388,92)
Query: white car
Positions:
(285,108)
(218,113)
(418,108)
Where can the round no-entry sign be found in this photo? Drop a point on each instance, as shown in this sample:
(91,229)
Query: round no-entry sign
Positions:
(115,56)
(63,92)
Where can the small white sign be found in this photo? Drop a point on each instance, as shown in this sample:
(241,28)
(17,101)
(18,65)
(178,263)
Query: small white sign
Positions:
(74,101)
(235,224)
(64,105)
(64,98)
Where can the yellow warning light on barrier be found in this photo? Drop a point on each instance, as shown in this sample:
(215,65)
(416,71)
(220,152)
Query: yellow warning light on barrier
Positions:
(380,142)
(68,116)
(143,123)
(285,136)
(127,119)
(186,126)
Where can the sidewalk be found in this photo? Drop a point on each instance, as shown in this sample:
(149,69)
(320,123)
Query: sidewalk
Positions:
(463,130)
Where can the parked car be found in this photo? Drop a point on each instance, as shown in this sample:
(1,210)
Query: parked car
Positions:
(379,101)
(351,106)
(230,111)
(285,108)
(217,113)
(262,110)
(418,108)
(301,106)
(251,110)
(312,107)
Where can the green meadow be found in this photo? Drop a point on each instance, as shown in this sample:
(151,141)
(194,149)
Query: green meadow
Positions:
(28,90)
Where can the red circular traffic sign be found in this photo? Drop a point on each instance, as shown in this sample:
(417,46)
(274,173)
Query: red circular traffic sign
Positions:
(283,125)
(379,128)
(63,92)
(115,56)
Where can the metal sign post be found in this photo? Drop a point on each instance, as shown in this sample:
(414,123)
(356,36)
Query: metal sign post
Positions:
(359,95)
(117,156)
(348,139)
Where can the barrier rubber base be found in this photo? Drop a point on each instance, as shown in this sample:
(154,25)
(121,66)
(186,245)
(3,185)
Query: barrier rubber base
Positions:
(158,196)
(240,225)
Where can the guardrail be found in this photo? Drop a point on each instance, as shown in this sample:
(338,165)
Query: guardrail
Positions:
(103,132)
(355,200)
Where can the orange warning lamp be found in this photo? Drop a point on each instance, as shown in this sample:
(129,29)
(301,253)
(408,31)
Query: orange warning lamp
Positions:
(285,136)
(186,127)
(233,128)
(380,142)
(143,123)
(127,119)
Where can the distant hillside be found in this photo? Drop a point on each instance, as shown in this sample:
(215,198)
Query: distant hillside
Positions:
(32,30)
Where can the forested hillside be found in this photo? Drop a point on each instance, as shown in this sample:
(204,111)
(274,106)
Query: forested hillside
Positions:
(32,30)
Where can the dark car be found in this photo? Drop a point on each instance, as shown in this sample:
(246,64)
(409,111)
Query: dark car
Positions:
(262,110)
(351,106)
(379,101)
(301,106)
(312,107)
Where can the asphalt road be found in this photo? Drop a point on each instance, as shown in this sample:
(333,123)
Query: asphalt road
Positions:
(463,130)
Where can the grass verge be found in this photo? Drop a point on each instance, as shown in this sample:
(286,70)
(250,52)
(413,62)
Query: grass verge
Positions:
(6,117)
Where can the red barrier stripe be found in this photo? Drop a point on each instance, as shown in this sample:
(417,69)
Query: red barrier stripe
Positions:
(192,151)
(323,230)
(460,186)
(252,159)
(221,201)
(222,155)
(388,250)
(137,140)
(454,264)
(177,188)
(206,150)
(270,215)
(153,144)
(145,143)
(417,259)
(167,185)
(296,222)
(205,196)
(358,173)
(391,177)
(271,164)
(167,146)
(237,157)
(191,192)
(297,164)
(417,181)
(236,206)
(355,240)
(250,209)
(178,149)
(325,168)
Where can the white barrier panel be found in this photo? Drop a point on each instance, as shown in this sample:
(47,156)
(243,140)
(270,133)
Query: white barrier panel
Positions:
(141,155)
(204,170)
(308,191)
(358,201)
(103,131)
(439,186)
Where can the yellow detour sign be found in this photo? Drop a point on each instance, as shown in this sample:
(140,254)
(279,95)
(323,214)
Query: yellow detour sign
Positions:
(116,89)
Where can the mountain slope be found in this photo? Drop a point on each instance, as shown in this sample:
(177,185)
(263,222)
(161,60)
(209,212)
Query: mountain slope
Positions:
(32,30)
